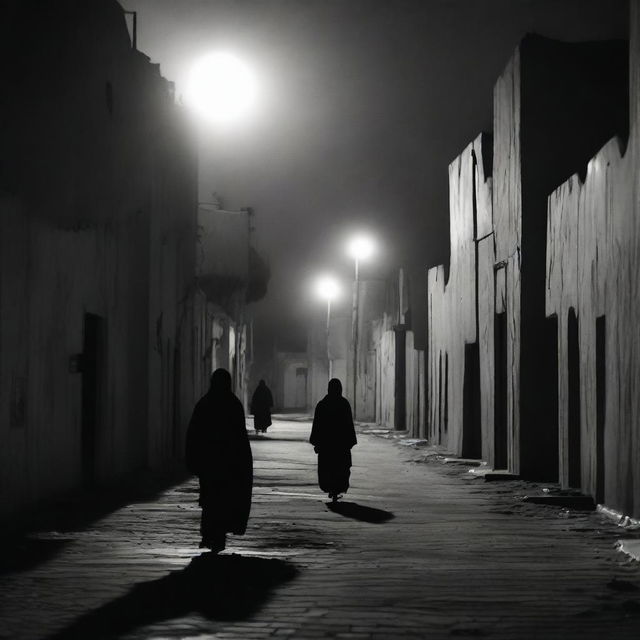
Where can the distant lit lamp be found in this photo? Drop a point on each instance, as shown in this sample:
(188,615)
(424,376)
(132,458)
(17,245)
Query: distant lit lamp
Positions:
(359,248)
(328,289)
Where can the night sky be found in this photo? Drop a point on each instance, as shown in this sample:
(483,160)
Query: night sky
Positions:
(363,104)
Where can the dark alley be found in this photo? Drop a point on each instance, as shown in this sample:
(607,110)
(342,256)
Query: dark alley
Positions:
(318,319)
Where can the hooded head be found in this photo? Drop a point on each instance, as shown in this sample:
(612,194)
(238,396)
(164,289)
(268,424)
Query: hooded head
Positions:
(335,387)
(261,383)
(220,381)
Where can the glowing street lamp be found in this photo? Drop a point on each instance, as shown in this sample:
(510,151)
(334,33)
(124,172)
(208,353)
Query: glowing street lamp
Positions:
(360,247)
(328,289)
(220,88)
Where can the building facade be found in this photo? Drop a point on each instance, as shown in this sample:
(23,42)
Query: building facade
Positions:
(492,350)
(107,322)
(592,265)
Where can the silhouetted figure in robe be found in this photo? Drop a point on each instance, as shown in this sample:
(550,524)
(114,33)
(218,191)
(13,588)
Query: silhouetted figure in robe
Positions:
(261,403)
(332,437)
(218,452)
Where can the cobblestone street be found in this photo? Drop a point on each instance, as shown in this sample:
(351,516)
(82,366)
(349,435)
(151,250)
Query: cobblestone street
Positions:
(417,549)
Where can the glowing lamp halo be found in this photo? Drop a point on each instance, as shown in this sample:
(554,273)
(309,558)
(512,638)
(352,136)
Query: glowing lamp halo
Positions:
(220,87)
(327,288)
(361,247)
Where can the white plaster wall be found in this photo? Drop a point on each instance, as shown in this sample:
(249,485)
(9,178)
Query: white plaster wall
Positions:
(452,306)
(593,265)
(386,356)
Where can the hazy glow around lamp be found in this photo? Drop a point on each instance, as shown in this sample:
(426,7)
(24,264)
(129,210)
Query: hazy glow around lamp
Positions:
(220,88)
(327,288)
(361,247)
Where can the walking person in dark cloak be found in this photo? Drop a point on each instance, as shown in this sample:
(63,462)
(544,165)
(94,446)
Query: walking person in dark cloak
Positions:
(218,452)
(332,436)
(261,403)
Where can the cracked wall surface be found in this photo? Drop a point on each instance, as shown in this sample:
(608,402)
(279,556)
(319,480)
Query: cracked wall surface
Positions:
(453,316)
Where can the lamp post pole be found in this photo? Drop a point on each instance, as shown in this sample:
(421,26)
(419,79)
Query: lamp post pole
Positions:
(330,368)
(327,288)
(354,334)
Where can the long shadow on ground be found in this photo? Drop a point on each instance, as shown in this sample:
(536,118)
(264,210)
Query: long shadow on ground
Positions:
(360,512)
(225,588)
(25,542)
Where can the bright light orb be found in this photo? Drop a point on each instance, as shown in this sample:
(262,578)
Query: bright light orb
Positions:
(220,88)
(327,288)
(361,247)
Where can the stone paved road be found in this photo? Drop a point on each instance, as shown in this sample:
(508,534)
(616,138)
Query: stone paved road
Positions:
(419,550)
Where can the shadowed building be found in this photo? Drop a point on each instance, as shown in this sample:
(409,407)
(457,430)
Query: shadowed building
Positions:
(372,301)
(229,275)
(97,205)
(400,367)
(592,290)
(103,332)
(290,380)
(554,105)
(460,312)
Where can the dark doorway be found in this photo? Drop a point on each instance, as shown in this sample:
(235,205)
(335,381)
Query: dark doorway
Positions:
(400,382)
(300,401)
(445,402)
(92,379)
(549,463)
(601,405)
(573,365)
(440,399)
(471,436)
(500,460)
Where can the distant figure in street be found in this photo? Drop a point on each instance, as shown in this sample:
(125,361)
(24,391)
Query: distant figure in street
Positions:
(261,403)
(218,452)
(332,436)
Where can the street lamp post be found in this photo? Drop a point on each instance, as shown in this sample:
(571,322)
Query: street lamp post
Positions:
(330,367)
(360,248)
(328,289)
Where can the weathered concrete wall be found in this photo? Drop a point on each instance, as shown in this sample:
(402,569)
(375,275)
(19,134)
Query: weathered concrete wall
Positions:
(372,302)
(589,271)
(592,265)
(507,215)
(486,313)
(287,389)
(386,366)
(420,410)
(295,386)
(97,216)
(554,106)
(491,389)
(415,387)
(437,348)
(170,291)
(454,368)
(397,378)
